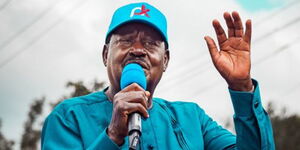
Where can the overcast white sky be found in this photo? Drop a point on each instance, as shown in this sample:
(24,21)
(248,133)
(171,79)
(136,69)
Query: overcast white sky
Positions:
(45,43)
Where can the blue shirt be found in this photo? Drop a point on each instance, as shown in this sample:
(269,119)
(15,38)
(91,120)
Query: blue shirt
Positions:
(81,123)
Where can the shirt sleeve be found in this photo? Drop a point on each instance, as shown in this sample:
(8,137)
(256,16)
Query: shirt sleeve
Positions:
(252,124)
(59,133)
(215,137)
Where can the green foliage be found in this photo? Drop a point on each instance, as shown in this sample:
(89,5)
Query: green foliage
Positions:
(5,144)
(32,133)
(286,129)
(79,89)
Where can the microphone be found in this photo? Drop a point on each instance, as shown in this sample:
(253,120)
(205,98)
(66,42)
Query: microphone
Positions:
(134,73)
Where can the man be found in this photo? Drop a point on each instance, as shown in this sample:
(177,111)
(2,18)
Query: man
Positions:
(138,34)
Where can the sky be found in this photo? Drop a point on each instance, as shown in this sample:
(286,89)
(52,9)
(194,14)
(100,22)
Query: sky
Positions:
(45,43)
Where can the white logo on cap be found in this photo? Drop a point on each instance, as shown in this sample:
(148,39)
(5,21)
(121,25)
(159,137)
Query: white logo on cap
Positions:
(143,11)
(133,10)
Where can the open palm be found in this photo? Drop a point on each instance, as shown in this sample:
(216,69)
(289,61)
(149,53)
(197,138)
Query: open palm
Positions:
(232,60)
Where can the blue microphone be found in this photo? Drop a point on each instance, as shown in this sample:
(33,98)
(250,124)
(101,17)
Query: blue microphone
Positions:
(134,73)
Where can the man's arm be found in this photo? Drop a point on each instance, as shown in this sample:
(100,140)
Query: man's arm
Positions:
(252,124)
(232,60)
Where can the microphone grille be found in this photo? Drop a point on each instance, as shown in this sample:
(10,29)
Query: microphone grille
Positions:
(133,73)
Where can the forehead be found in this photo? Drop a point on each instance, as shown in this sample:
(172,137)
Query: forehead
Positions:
(135,27)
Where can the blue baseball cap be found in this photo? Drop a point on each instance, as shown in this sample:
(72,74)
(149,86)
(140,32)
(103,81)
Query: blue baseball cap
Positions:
(139,12)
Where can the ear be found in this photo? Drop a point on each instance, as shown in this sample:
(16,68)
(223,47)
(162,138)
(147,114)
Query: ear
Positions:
(105,54)
(166,59)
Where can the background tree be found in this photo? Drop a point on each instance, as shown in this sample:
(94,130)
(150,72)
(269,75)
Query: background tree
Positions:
(32,128)
(31,135)
(5,144)
(79,89)
(286,129)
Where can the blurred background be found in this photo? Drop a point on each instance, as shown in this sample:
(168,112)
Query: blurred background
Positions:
(51,50)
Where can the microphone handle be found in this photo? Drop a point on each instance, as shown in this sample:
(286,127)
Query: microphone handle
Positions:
(135,130)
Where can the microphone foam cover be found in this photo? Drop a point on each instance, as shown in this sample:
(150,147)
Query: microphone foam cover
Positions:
(133,73)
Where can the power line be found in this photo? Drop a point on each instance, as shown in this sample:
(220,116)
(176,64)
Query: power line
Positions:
(39,36)
(266,35)
(25,28)
(292,90)
(29,44)
(282,48)
(293,3)
(275,52)
(5,4)
(186,68)
(7,42)
(207,87)
(284,26)
(257,40)
(263,37)
(188,75)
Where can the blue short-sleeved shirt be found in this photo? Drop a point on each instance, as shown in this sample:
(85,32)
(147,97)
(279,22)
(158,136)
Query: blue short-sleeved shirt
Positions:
(81,123)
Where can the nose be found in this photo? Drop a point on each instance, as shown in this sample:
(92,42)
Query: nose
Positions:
(137,49)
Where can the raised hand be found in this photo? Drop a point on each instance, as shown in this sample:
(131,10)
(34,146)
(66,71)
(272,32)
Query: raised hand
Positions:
(232,59)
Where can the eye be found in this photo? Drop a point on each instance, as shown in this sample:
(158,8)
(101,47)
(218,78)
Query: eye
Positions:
(125,42)
(150,43)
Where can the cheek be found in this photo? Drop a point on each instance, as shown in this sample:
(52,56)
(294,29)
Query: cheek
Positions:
(157,62)
(116,58)
(113,56)
(114,62)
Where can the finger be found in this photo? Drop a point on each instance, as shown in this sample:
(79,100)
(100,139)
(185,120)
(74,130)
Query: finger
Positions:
(137,107)
(148,94)
(137,97)
(230,25)
(133,87)
(220,32)
(238,25)
(247,36)
(213,50)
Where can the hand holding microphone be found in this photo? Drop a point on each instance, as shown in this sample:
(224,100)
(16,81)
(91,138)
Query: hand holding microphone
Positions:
(130,102)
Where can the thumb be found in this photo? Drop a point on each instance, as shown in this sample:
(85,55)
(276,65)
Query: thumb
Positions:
(212,47)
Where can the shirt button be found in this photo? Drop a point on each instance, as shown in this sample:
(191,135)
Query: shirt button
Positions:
(256,104)
(150,147)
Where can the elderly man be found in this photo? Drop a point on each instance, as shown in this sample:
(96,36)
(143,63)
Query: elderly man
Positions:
(138,34)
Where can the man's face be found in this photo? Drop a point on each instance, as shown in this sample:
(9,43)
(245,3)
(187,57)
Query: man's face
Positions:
(136,43)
